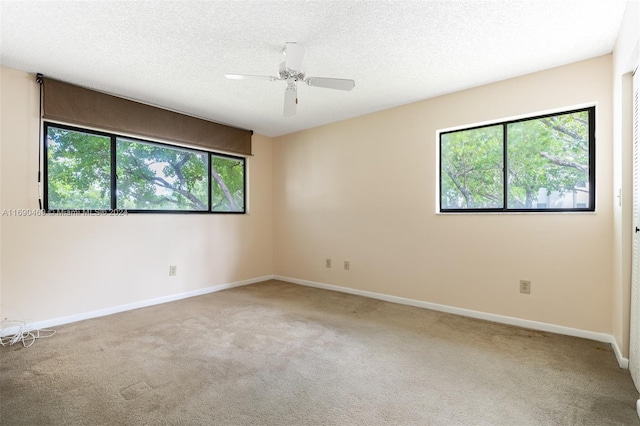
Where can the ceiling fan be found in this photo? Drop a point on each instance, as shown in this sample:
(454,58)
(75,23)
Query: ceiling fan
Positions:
(291,72)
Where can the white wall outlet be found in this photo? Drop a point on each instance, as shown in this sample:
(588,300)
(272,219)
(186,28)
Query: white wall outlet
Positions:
(346,265)
(525,286)
(173,270)
(327,263)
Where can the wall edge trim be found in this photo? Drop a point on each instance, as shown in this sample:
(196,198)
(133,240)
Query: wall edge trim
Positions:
(9,331)
(502,319)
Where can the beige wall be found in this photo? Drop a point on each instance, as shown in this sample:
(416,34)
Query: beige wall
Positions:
(364,190)
(626,58)
(59,266)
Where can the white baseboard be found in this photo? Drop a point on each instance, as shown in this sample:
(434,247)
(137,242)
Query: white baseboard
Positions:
(534,325)
(130,306)
(638,407)
(622,361)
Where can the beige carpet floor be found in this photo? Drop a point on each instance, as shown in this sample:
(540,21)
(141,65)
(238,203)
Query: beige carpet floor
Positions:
(280,354)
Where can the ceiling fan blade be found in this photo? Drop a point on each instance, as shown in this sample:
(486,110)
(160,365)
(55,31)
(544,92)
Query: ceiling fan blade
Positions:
(250,77)
(290,100)
(294,53)
(331,83)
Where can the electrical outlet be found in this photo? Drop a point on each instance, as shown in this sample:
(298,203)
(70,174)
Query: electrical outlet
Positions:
(525,286)
(173,269)
(327,263)
(346,265)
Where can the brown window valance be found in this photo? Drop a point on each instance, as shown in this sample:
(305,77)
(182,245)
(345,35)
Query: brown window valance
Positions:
(76,105)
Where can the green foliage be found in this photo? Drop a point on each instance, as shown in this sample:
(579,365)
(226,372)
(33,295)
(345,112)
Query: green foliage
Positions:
(472,168)
(78,170)
(227,185)
(549,154)
(154,177)
(544,155)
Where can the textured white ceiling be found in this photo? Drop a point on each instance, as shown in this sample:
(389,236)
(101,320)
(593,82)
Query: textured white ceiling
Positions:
(175,53)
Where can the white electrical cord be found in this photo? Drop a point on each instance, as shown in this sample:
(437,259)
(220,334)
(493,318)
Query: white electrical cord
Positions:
(10,336)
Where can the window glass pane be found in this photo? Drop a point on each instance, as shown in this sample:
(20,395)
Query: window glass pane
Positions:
(471,169)
(227,184)
(155,177)
(548,162)
(78,170)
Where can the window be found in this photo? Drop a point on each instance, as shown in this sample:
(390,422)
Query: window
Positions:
(544,163)
(227,192)
(87,170)
(154,177)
